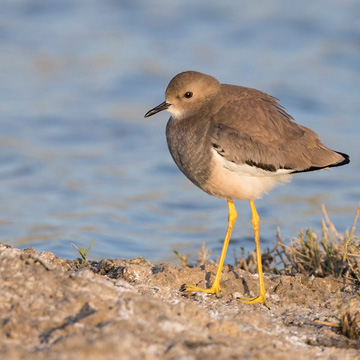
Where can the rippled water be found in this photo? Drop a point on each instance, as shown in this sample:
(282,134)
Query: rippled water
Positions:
(79,162)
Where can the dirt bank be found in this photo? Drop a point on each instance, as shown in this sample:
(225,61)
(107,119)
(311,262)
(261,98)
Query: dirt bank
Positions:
(53,308)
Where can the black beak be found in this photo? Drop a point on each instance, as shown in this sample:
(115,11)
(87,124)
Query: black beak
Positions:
(155,110)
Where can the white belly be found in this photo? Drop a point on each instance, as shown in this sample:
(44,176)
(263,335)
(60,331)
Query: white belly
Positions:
(241,182)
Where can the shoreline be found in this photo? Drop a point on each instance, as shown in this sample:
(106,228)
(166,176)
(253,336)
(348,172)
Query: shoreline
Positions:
(54,308)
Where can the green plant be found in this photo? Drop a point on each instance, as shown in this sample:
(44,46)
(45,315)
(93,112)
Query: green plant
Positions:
(82,252)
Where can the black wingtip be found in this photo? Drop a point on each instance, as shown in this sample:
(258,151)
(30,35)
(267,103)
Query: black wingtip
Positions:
(345,161)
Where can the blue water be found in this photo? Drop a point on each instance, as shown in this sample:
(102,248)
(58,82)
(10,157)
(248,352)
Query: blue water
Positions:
(79,162)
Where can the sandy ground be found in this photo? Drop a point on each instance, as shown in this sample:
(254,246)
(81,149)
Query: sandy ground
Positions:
(53,308)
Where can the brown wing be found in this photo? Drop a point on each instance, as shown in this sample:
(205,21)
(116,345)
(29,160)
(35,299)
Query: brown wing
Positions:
(257,131)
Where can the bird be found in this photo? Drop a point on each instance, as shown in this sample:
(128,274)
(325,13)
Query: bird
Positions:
(237,143)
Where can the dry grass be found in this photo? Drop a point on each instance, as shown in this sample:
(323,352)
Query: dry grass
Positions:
(248,263)
(203,257)
(350,319)
(330,253)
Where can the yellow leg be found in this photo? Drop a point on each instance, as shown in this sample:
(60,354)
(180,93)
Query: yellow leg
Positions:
(215,288)
(261,297)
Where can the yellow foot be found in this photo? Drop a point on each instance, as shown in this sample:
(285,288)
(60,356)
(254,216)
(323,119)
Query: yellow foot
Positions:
(213,290)
(255,300)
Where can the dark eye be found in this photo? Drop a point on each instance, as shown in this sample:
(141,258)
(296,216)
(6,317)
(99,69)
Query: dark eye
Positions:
(188,94)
